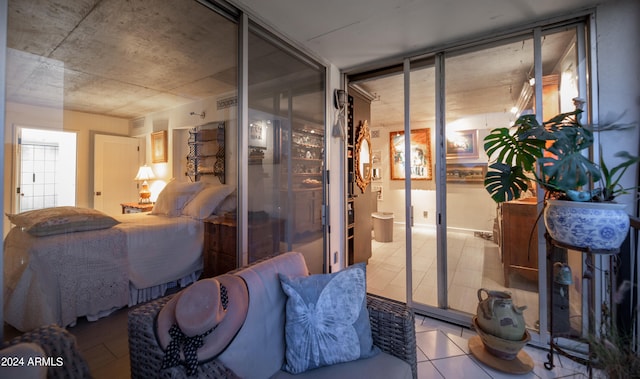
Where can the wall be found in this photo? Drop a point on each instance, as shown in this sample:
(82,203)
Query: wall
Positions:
(619,94)
(84,124)
(336,187)
(619,82)
(362,200)
(177,121)
(469,206)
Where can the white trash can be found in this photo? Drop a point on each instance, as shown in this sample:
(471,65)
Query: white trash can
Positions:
(383,226)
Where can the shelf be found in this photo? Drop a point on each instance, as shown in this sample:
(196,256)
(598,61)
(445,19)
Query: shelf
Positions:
(307,159)
(308,146)
(206,151)
(587,250)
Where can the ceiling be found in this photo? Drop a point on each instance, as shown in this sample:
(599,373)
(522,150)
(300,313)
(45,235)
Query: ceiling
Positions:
(356,32)
(357,35)
(502,85)
(129,58)
(116,57)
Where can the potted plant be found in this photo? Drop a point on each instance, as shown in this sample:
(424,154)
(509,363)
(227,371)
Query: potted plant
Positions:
(579,202)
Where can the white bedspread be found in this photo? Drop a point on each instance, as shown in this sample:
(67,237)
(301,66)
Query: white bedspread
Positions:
(56,279)
(161,249)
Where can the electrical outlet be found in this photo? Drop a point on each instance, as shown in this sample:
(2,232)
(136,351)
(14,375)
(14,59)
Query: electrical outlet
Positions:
(335,257)
(425,214)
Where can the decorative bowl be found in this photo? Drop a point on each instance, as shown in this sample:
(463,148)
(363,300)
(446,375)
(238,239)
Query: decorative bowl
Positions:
(499,347)
(599,226)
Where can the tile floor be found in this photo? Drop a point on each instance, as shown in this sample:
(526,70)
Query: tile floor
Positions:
(442,351)
(473,263)
(442,348)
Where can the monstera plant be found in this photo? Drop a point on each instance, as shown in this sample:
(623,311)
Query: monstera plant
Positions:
(553,155)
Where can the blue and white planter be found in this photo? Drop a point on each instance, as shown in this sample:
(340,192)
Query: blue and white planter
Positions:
(586,224)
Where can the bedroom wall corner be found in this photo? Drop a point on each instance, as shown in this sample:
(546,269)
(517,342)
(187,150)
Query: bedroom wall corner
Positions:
(85,125)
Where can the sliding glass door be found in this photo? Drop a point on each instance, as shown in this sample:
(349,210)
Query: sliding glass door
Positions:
(286,146)
(450,238)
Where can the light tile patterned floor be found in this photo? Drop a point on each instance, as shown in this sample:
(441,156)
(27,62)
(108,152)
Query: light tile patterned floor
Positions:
(442,348)
(442,352)
(472,263)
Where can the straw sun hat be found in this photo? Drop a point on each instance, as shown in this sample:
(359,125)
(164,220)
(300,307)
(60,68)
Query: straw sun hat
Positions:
(199,323)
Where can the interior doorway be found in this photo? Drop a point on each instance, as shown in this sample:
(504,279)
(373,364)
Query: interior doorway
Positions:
(46,169)
(115,162)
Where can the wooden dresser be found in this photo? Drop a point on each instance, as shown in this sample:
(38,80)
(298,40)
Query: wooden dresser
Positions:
(220,236)
(519,247)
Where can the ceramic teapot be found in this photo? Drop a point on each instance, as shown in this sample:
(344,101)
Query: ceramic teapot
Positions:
(498,316)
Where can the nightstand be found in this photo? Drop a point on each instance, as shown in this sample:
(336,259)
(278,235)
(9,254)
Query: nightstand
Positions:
(136,208)
(220,233)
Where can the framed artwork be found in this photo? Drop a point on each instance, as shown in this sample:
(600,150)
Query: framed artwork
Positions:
(258,135)
(419,156)
(159,147)
(462,144)
(466,172)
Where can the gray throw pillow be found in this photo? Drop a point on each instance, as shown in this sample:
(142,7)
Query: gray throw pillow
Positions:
(327,321)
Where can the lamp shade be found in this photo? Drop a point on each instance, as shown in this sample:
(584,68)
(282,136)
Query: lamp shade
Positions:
(145,173)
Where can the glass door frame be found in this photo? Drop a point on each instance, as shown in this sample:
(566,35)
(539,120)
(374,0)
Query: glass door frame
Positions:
(585,32)
(246,26)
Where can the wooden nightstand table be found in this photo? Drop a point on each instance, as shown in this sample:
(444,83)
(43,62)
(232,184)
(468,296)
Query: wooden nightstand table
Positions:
(220,252)
(136,208)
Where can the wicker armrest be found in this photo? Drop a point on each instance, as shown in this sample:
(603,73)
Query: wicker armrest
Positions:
(393,329)
(146,355)
(57,343)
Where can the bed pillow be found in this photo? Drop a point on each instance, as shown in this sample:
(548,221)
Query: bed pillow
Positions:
(229,204)
(58,220)
(174,196)
(206,201)
(327,321)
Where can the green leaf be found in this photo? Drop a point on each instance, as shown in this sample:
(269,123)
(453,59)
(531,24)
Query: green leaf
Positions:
(504,182)
(514,157)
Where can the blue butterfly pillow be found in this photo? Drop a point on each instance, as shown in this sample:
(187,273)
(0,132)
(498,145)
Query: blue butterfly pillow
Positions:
(327,321)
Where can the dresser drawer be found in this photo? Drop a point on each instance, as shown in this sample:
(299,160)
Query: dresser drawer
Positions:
(224,263)
(227,240)
(220,246)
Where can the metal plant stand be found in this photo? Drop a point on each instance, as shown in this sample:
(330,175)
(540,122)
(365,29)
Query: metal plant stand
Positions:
(552,246)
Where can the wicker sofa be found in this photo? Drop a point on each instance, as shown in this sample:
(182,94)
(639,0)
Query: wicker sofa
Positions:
(258,350)
(56,344)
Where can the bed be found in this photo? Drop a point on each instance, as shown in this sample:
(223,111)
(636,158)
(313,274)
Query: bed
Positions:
(88,270)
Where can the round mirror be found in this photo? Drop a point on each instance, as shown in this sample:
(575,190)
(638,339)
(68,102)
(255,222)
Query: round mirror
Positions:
(363,156)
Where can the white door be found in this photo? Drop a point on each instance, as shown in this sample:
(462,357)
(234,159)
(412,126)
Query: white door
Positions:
(116,162)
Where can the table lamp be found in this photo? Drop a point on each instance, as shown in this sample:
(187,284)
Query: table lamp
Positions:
(144,173)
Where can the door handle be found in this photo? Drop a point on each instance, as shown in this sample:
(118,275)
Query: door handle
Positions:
(411,216)
(98,193)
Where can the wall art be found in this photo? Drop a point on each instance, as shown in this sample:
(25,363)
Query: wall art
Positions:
(419,157)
